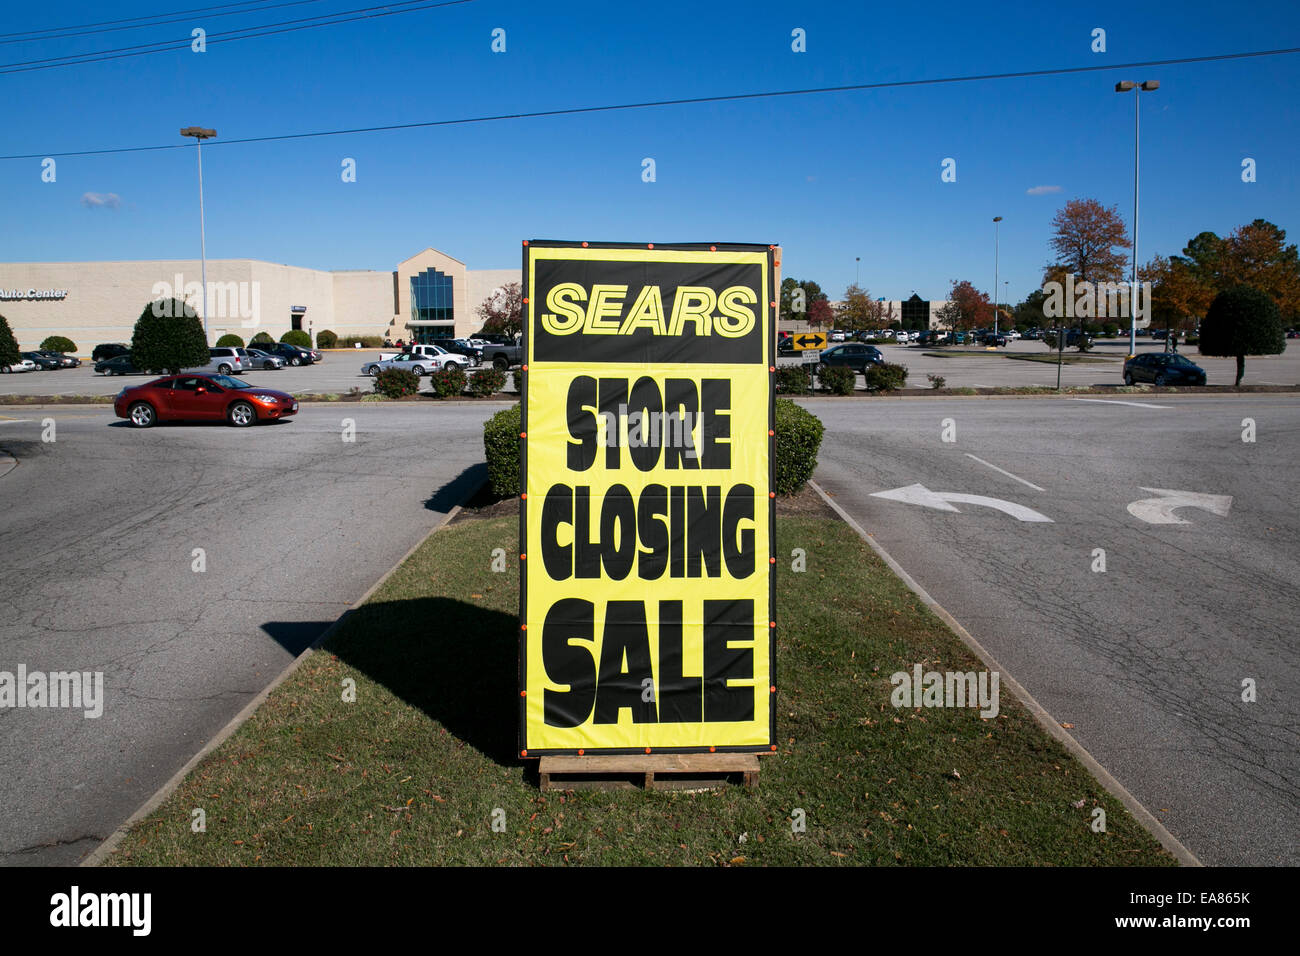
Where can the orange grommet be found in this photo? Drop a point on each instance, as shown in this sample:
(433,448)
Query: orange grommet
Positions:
(713,750)
(580,750)
(647,750)
(773,688)
(713,249)
(525,242)
(770,432)
(771,560)
(584,245)
(771,368)
(523,693)
(771,494)
(649,245)
(773,746)
(772,304)
(771,623)
(523,434)
(523,557)
(524,368)
(523,753)
(523,627)
(525,301)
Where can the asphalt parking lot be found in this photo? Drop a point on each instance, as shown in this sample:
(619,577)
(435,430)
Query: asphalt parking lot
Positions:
(99,540)
(341,370)
(1144,662)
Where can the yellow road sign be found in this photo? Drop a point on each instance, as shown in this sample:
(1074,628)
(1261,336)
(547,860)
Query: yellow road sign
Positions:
(809,340)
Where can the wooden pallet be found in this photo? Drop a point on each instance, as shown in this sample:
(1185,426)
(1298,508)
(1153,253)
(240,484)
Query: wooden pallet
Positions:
(651,771)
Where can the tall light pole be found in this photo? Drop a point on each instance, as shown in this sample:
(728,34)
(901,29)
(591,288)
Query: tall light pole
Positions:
(200,134)
(857,270)
(996,227)
(1148,86)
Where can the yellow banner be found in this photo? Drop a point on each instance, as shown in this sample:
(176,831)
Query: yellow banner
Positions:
(647,518)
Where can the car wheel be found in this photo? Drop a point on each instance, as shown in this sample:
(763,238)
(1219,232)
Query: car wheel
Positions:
(4,369)
(418,370)
(373,371)
(1128,378)
(1160,379)
(241,414)
(295,361)
(142,415)
(268,365)
(224,369)
(500,364)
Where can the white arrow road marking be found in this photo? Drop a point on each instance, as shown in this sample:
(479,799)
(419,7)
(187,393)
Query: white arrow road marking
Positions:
(1161,510)
(921,495)
(1116,401)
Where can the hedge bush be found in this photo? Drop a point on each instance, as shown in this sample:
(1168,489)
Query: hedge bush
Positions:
(886,377)
(448,381)
(9,354)
(297,337)
(397,383)
(502,450)
(260,339)
(365,341)
(230,340)
(486,382)
(838,380)
(169,336)
(798,438)
(58,343)
(793,380)
(325,339)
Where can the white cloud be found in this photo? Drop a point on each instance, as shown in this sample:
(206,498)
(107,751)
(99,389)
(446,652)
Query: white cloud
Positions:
(101,200)
(1042,190)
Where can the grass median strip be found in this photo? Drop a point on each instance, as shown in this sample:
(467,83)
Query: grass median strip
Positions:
(413,771)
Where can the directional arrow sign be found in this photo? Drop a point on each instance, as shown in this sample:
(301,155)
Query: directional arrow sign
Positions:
(810,340)
(941,500)
(1161,510)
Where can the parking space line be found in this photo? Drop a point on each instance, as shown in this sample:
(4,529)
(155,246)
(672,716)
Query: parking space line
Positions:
(1004,472)
(1116,401)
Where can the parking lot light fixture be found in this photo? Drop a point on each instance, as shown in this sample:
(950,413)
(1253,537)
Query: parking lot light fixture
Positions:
(996,227)
(1124,86)
(200,134)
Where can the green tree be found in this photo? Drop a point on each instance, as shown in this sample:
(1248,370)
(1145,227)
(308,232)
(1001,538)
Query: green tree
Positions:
(9,354)
(859,311)
(58,343)
(230,339)
(812,292)
(1029,314)
(296,337)
(502,312)
(1242,321)
(168,335)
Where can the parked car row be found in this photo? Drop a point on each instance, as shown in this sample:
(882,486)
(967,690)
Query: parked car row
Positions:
(226,360)
(41,360)
(421,359)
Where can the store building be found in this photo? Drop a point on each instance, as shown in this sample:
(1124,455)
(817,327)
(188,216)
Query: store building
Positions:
(428,297)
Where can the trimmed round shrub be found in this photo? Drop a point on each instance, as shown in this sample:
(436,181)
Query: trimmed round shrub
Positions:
(839,380)
(502,449)
(260,339)
(1242,321)
(448,381)
(9,353)
(793,380)
(798,439)
(325,339)
(486,382)
(58,343)
(886,377)
(230,339)
(168,336)
(397,383)
(297,337)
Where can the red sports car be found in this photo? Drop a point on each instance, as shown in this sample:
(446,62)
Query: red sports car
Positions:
(202,398)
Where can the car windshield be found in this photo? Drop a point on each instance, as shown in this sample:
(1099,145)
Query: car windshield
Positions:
(225,381)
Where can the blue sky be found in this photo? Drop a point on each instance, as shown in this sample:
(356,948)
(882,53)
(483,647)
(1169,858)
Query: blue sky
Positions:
(829,176)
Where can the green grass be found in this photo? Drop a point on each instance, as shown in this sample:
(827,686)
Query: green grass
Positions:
(1050,358)
(411,772)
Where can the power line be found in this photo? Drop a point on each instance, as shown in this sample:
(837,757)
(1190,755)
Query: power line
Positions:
(288,26)
(686,101)
(113,26)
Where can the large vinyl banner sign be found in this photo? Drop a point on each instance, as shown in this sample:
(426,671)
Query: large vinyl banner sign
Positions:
(646,598)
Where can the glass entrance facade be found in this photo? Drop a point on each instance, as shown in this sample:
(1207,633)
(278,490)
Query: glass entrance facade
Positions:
(431,302)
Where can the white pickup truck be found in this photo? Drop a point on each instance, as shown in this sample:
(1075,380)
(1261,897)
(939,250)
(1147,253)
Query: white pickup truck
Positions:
(432,351)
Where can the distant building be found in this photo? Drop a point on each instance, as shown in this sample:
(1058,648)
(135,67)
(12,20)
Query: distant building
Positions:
(428,297)
(913,312)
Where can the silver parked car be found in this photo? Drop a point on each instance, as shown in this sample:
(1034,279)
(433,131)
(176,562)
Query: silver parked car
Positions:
(419,364)
(263,360)
(225,360)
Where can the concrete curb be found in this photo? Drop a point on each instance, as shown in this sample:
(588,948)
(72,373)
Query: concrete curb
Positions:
(102,852)
(1049,723)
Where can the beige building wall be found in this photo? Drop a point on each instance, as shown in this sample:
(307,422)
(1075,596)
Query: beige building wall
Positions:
(482,283)
(364,304)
